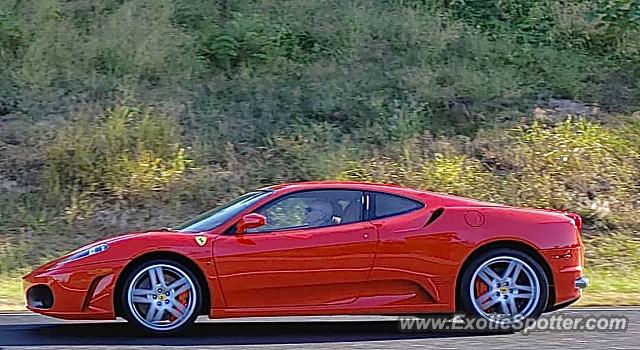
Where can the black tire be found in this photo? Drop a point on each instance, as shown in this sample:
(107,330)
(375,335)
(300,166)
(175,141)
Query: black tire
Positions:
(464,289)
(185,323)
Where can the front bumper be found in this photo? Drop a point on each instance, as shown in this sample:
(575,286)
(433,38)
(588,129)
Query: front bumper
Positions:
(80,292)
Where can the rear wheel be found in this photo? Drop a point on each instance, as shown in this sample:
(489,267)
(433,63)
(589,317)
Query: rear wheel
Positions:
(504,286)
(161,297)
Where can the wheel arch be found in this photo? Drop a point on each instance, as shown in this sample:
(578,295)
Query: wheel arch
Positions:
(511,244)
(165,255)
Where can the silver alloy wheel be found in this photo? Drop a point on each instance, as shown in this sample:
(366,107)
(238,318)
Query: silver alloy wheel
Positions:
(504,289)
(161,297)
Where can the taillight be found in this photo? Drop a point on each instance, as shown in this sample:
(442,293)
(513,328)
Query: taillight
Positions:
(577,219)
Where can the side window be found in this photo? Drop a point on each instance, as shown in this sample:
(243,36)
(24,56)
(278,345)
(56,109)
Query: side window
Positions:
(312,209)
(387,205)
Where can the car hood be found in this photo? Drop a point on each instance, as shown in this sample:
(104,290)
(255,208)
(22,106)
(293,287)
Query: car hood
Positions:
(58,261)
(117,242)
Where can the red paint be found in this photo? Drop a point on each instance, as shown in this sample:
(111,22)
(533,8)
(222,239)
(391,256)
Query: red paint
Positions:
(474,218)
(394,265)
(248,221)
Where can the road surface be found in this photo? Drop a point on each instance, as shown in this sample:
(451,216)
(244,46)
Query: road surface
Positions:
(25,330)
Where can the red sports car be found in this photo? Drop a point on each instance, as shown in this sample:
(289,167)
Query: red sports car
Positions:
(324,248)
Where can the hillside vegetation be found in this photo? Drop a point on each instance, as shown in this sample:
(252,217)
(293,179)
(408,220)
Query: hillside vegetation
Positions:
(119,115)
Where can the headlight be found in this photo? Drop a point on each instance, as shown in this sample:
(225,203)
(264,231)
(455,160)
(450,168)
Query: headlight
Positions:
(87,252)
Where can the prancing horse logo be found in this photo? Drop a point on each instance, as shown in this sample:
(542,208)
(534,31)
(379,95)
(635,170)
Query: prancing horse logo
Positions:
(201,240)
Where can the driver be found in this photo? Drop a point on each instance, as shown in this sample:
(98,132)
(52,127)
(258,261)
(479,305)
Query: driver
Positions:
(318,213)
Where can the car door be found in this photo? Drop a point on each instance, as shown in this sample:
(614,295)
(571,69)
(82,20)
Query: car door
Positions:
(409,257)
(315,250)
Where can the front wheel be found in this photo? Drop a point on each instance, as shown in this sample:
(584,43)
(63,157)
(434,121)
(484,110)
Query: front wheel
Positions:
(504,286)
(161,297)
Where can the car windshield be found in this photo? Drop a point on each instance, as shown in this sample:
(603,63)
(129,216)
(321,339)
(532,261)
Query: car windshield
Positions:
(217,216)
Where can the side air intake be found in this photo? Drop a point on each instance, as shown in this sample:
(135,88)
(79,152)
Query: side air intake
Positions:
(434,215)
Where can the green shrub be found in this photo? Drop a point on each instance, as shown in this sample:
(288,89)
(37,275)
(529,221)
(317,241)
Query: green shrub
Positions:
(53,56)
(314,151)
(576,165)
(139,44)
(252,41)
(10,35)
(620,21)
(131,43)
(127,152)
(454,174)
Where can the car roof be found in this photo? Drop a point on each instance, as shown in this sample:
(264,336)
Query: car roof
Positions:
(351,185)
(420,195)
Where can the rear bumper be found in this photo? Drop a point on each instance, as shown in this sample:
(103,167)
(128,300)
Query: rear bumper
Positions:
(567,273)
(580,283)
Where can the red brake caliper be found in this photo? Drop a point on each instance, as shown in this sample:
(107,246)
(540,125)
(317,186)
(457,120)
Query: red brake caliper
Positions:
(182,299)
(481,288)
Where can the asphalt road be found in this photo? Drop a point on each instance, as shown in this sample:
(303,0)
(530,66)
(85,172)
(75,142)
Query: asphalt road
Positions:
(24,330)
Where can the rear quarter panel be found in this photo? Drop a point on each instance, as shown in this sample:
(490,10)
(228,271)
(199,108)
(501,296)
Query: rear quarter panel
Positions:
(433,256)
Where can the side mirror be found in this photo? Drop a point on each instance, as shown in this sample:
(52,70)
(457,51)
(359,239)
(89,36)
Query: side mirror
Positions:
(249,221)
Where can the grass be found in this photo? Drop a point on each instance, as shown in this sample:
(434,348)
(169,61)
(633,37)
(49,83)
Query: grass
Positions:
(612,288)
(11,297)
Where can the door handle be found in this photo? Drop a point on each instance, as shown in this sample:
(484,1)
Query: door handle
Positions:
(299,235)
